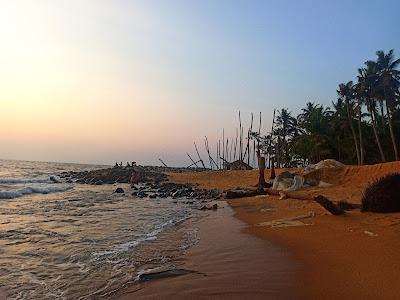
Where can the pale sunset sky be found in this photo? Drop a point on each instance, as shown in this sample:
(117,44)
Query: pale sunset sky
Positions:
(96,81)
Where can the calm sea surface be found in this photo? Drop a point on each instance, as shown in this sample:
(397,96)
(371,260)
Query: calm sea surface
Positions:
(62,240)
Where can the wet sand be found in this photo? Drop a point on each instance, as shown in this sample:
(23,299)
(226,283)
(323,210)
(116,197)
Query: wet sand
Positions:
(354,256)
(228,264)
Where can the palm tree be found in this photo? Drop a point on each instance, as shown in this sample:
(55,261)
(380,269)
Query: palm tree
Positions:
(286,128)
(389,82)
(313,124)
(345,91)
(367,78)
(340,124)
(359,96)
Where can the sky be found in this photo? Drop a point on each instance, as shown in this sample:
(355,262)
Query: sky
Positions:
(97,81)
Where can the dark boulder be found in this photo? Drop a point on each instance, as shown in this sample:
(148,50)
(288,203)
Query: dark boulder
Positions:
(119,191)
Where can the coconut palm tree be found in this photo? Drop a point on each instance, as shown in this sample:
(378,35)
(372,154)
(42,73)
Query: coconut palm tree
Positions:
(367,78)
(359,96)
(340,124)
(286,128)
(389,82)
(345,91)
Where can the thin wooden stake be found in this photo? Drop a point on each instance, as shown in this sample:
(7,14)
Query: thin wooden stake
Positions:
(193,162)
(198,154)
(163,162)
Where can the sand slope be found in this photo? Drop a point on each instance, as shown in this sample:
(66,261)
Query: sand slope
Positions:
(355,256)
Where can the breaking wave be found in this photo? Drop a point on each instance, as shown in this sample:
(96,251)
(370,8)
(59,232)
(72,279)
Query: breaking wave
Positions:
(50,179)
(32,190)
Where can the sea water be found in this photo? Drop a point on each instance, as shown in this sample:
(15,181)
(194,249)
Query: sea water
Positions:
(61,240)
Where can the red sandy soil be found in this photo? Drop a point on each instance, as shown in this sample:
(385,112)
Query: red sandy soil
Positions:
(354,256)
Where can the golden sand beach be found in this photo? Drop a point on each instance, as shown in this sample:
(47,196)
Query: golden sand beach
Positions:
(322,256)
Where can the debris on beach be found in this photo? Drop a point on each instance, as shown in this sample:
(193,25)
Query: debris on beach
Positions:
(293,181)
(162,272)
(236,165)
(323,164)
(242,193)
(288,222)
(334,209)
(370,233)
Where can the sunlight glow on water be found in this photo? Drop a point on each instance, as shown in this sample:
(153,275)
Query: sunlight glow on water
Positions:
(85,240)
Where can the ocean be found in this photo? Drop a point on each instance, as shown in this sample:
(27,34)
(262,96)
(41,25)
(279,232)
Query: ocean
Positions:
(63,240)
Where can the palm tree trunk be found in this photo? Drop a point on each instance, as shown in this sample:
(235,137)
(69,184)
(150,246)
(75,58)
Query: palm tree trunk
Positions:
(396,153)
(378,141)
(382,115)
(360,134)
(353,132)
(278,151)
(261,174)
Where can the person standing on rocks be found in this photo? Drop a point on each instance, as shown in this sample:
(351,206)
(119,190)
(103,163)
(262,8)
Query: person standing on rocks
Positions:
(133,178)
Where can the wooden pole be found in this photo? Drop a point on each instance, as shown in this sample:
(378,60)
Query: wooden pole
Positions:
(248,139)
(227,147)
(230,151)
(212,161)
(236,143)
(241,138)
(223,146)
(270,141)
(163,162)
(198,154)
(219,154)
(193,162)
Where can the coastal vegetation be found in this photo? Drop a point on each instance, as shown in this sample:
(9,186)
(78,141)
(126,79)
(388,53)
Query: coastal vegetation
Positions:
(361,127)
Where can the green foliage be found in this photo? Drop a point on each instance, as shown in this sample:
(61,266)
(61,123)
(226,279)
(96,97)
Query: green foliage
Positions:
(361,127)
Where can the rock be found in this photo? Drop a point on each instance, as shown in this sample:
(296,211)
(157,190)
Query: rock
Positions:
(176,194)
(209,207)
(54,179)
(119,191)
(98,182)
(70,181)
(153,196)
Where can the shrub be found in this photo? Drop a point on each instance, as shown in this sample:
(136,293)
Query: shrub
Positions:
(383,195)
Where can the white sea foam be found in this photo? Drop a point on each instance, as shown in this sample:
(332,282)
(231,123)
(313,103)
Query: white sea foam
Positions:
(148,237)
(32,190)
(11,180)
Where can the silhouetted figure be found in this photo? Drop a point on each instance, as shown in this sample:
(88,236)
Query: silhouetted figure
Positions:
(116,165)
(127,164)
(133,178)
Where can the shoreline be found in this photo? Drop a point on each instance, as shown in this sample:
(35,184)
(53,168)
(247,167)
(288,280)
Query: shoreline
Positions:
(227,263)
(341,257)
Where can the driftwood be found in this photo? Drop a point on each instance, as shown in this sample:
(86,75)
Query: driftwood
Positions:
(233,194)
(292,195)
(330,206)
(333,208)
